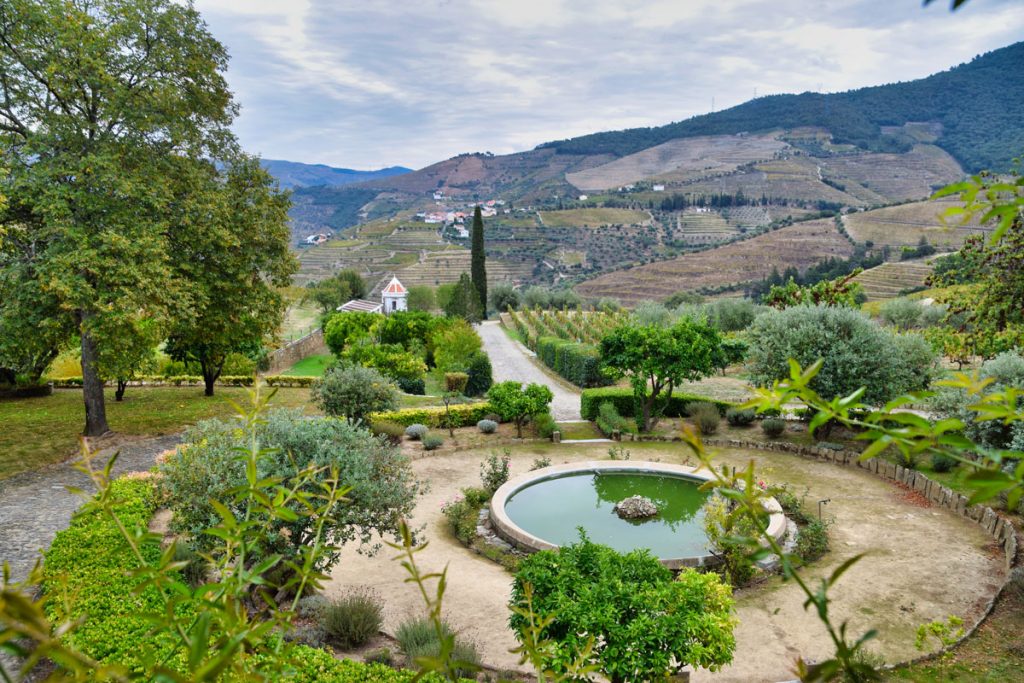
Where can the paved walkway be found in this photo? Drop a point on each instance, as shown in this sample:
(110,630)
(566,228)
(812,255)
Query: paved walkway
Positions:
(34,506)
(510,360)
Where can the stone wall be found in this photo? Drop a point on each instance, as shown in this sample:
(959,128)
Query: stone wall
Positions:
(287,356)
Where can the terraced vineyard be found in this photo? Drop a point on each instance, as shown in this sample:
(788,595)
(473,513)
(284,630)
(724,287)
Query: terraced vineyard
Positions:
(592,218)
(734,264)
(906,224)
(890,280)
(702,227)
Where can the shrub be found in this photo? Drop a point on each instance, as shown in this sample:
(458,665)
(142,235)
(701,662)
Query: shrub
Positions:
(416,431)
(391,432)
(903,314)
(207,468)
(724,529)
(431,442)
(417,637)
(195,570)
(857,352)
(705,416)
(503,297)
(353,619)
(381,655)
(942,463)
(464,415)
(343,329)
(812,540)
(578,363)
(312,635)
(540,463)
(518,404)
(454,346)
(391,360)
(608,420)
(585,592)
(591,400)
(479,371)
(353,392)
(487,426)
(545,425)
(414,386)
(455,382)
(739,418)
(494,470)
(773,426)
(463,512)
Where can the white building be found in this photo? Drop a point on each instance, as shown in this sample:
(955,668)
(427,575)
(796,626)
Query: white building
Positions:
(394,297)
(658,188)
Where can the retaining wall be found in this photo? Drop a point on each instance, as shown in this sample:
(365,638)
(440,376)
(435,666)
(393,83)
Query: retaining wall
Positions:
(287,356)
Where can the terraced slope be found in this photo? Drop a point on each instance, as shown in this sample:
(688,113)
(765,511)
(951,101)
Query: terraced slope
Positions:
(890,280)
(906,224)
(799,245)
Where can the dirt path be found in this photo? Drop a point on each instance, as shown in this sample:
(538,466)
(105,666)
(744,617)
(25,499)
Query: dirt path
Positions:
(34,506)
(923,563)
(510,360)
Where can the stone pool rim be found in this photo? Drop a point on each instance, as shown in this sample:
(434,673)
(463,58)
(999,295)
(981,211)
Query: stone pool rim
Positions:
(508,530)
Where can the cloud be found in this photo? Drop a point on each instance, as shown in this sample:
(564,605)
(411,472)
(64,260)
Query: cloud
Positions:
(370,84)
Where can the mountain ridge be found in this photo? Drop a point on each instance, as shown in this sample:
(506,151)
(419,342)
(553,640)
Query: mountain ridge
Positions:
(296,174)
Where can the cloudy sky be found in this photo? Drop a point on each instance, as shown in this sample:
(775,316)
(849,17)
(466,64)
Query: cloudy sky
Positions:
(365,84)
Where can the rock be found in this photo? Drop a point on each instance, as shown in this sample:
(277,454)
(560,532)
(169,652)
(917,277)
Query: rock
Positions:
(636,507)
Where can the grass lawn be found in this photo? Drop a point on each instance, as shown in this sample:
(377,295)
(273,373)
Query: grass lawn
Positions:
(310,366)
(42,431)
(579,430)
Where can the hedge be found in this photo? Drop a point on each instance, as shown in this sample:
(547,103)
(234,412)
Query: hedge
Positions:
(622,399)
(578,363)
(463,415)
(193,380)
(91,561)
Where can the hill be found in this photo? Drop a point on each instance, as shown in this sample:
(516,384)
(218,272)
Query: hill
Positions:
(292,174)
(975,106)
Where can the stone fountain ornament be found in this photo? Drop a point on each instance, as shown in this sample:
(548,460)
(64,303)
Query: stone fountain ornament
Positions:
(636,507)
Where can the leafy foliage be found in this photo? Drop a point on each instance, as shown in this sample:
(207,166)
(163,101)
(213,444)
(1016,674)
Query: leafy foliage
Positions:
(657,359)
(354,618)
(353,392)
(344,329)
(478,264)
(840,292)
(517,404)
(464,301)
(637,621)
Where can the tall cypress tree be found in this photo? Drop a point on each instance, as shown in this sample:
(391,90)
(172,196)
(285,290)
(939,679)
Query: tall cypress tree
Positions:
(478,266)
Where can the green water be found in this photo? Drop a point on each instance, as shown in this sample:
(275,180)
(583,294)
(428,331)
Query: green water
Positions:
(553,509)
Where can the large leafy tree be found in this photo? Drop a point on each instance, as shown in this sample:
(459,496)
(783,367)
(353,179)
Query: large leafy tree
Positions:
(478,264)
(656,359)
(102,104)
(235,266)
(464,301)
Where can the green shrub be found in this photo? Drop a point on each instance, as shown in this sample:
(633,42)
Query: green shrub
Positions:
(416,432)
(464,415)
(791,504)
(463,512)
(622,398)
(706,416)
(487,426)
(195,570)
(545,425)
(207,467)
(578,363)
(480,377)
(412,386)
(381,655)
(354,392)
(354,618)
(494,470)
(431,442)
(942,463)
(391,432)
(418,638)
(773,426)
(540,463)
(344,329)
(312,665)
(812,540)
(739,418)
(608,420)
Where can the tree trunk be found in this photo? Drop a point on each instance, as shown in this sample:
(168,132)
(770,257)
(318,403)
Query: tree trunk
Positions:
(210,375)
(122,384)
(92,386)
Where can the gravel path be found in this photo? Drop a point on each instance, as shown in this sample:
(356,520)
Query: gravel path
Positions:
(510,360)
(34,506)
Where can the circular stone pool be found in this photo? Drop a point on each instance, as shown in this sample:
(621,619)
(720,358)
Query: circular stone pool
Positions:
(545,508)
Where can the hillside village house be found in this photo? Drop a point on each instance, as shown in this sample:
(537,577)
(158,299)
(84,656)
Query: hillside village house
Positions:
(393,298)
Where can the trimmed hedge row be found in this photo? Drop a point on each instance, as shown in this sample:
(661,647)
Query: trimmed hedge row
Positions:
(92,561)
(578,363)
(194,380)
(463,415)
(622,399)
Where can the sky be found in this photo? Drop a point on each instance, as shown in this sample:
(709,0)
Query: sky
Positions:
(366,84)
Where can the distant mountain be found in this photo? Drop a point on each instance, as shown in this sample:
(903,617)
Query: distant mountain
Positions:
(978,108)
(292,174)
